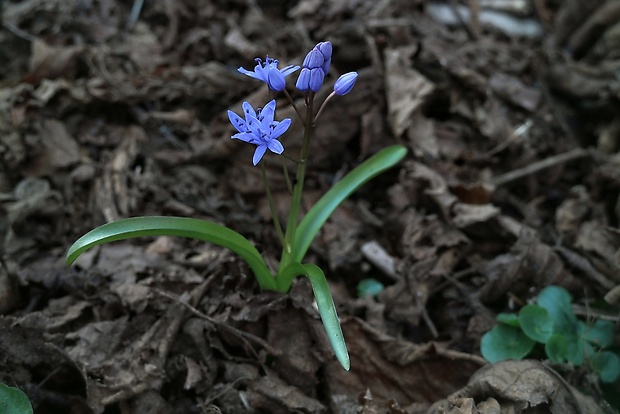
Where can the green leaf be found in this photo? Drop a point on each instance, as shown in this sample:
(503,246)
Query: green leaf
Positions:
(327,309)
(557,302)
(505,342)
(369,287)
(176,226)
(13,401)
(536,323)
(320,212)
(607,364)
(565,348)
(510,319)
(600,333)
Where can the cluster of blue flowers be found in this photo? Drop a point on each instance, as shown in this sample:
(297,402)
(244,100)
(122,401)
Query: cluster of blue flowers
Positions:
(259,127)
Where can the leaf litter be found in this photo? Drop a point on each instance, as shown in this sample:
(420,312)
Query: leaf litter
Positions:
(511,185)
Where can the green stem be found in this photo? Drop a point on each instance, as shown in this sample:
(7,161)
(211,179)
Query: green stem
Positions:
(293,216)
(272,207)
(289,185)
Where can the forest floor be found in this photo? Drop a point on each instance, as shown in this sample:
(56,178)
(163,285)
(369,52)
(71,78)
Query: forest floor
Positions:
(113,109)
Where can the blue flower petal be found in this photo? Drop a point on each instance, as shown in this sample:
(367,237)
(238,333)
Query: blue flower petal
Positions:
(246,137)
(237,121)
(275,80)
(275,146)
(280,128)
(258,154)
(288,70)
(267,113)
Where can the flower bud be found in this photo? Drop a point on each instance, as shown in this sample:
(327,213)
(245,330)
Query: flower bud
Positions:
(345,83)
(303,81)
(326,49)
(316,79)
(314,59)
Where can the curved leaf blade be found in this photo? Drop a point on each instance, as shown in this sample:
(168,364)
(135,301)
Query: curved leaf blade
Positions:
(320,212)
(327,309)
(176,226)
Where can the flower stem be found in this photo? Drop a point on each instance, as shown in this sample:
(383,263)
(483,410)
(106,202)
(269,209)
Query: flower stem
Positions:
(289,185)
(293,216)
(331,95)
(272,206)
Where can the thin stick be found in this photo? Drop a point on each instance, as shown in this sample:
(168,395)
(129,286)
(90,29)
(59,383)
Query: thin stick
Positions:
(540,165)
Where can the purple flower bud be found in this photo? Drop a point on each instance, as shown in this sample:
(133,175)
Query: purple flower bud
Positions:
(316,79)
(326,49)
(345,83)
(325,66)
(314,59)
(303,81)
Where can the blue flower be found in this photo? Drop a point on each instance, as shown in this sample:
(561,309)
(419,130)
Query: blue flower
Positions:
(260,129)
(345,83)
(269,73)
(315,67)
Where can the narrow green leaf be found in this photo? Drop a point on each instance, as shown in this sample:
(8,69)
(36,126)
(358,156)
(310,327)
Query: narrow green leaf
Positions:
(327,309)
(505,342)
(536,323)
(176,226)
(320,212)
(13,401)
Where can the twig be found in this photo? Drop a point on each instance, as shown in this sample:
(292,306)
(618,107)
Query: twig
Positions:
(134,15)
(241,334)
(583,264)
(540,165)
(513,137)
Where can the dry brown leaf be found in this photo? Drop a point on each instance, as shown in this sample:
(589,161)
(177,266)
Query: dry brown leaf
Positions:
(406,88)
(395,369)
(520,386)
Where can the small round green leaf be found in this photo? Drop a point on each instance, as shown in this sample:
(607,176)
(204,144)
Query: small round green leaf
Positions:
(536,323)
(607,364)
(369,287)
(13,401)
(505,342)
(557,302)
